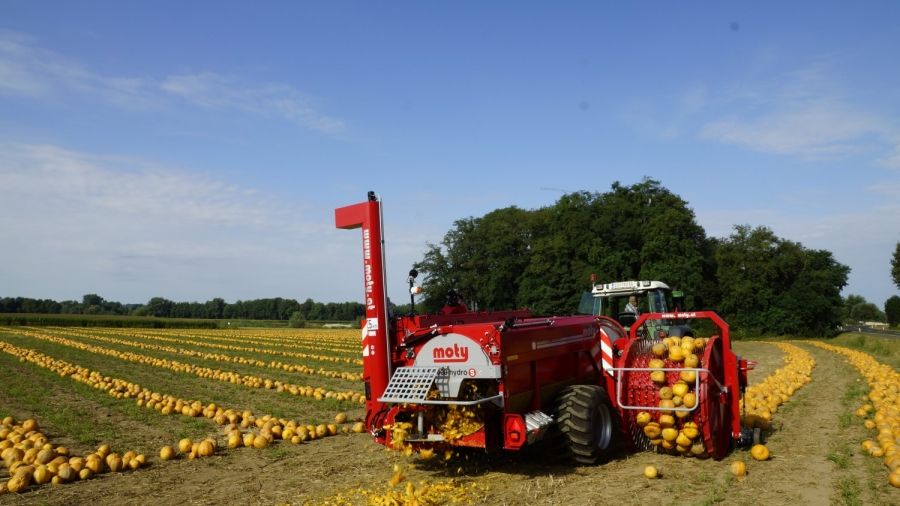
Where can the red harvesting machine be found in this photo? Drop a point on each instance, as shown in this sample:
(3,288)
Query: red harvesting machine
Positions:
(508,379)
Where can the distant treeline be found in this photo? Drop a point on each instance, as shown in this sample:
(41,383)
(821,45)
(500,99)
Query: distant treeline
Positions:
(80,320)
(258,309)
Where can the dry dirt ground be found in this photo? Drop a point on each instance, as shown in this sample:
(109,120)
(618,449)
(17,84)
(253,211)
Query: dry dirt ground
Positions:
(815,461)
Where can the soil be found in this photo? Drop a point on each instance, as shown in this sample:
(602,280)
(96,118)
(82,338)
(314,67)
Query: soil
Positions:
(799,472)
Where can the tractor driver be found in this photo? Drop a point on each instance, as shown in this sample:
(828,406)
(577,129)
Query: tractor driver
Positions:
(632,306)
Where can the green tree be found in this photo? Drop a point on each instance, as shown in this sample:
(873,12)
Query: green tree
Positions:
(296,320)
(70,307)
(773,286)
(813,298)
(482,258)
(317,312)
(849,302)
(642,231)
(895,265)
(892,310)
(745,275)
(543,259)
(91,299)
(158,306)
(867,312)
(560,257)
(92,303)
(215,308)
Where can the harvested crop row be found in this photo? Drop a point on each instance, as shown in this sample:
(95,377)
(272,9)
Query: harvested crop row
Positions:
(339,341)
(292,354)
(166,404)
(762,400)
(221,357)
(341,337)
(220,339)
(884,409)
(250,381)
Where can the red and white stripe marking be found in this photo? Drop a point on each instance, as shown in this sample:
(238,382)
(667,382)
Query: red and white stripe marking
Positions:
(604,353)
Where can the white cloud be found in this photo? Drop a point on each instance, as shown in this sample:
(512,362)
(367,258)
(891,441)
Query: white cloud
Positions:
(30,70)
(124,187)
(76,222)
(15,79)
(892,161)
(23,67)
(825,129)
(695,99)
(219,92)
(128,229)
(802,114)
(640,116)
(889,188)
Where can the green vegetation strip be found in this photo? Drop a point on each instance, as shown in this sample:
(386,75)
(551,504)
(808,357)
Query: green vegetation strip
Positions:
(79,320)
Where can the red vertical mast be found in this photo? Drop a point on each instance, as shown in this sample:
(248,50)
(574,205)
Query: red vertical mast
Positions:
(376,360)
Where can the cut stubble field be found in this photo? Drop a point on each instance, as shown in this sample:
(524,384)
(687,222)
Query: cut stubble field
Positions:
(814,437)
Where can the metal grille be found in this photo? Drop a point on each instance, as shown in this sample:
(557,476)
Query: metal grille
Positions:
(410,384)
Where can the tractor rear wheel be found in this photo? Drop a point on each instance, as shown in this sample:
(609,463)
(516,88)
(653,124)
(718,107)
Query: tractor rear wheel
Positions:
(585,423)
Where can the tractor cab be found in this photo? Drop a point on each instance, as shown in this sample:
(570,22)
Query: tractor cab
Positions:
(612,300)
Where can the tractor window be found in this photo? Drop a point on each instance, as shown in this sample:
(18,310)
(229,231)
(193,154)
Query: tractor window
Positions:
(621,302)
(619,305)
(589,304)
(657,299)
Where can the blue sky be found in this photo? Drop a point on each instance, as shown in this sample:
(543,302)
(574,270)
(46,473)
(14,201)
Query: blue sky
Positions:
(197,149)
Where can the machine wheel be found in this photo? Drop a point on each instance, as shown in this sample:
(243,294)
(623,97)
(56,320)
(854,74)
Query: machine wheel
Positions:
(758,436)
(585,423)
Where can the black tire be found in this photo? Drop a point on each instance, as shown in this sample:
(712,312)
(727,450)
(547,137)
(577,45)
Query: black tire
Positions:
(585,424)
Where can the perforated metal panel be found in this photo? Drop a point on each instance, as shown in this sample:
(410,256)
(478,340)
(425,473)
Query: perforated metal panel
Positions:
(410,384)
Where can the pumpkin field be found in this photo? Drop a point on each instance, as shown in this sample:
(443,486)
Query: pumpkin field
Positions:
(271,416)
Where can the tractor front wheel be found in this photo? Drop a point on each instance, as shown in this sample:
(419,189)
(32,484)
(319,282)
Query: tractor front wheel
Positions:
(585,423)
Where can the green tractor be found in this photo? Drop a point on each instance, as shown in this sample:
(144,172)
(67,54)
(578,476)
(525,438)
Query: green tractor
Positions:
(612,300)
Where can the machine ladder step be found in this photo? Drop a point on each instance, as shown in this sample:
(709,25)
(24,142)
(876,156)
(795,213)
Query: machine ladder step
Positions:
(410,385)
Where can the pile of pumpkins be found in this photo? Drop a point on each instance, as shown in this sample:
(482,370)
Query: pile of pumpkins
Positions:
(671,428)
(31,459)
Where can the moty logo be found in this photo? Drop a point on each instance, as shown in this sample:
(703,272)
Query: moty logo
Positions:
(455,353)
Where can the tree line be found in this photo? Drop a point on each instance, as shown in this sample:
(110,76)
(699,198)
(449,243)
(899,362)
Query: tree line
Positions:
(258,309)
(543,259)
